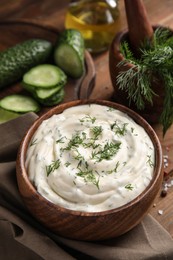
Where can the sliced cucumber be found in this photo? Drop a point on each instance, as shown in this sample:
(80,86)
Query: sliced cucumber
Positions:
(53,100)
(19,103)
(69,53)
(7,115)
(17,60)
(46,93)
(44,76)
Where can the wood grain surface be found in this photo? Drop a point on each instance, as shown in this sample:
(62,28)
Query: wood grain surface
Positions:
(51,14)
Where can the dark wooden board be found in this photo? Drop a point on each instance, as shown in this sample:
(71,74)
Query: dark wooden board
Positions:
(16,32)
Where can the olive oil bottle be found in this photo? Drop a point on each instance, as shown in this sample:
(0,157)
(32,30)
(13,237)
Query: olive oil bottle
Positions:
(96,20)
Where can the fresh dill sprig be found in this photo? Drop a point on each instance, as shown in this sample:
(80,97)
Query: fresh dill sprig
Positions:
(154,64)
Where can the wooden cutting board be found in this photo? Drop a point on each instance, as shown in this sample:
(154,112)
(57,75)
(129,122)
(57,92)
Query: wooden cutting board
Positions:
(17,32)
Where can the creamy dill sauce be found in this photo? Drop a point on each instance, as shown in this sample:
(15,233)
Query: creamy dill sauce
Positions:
(90,158)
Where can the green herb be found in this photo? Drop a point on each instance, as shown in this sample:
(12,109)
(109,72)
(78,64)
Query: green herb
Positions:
(129,186)
(60,140)
(111,109)
(88,118)
(118,129)
(91,144)
(67,164)
(132,129)
(52,167)
(33,142)
(149,161)
(155,64)
(115,169)
(88,176)
(96,131)
(78,157)
(109,150)
(75,141)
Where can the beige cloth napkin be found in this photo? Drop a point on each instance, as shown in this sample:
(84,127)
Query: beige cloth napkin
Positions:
(22,237)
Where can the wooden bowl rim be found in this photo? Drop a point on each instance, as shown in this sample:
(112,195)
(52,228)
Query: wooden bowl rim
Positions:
(20,166)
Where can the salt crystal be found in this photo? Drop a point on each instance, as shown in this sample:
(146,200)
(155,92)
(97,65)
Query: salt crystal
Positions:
(165,187)
(165,165)
(160,212)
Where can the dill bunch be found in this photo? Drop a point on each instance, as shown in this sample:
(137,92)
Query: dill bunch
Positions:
(155,62)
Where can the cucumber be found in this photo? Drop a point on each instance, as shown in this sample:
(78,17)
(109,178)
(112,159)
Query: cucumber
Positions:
(7,115)
(53,100)
(17,60)
(45,82)
(69,53)
(46,93)
(44,76)
(19,103)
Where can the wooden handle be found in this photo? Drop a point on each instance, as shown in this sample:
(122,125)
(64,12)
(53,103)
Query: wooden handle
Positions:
(139,26)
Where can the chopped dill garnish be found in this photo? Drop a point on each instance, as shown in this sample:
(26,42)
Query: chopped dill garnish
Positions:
(149,161)
(60,140)
(75,141)
(96,131)
(129,186)
(119,130)
(88,176)
(67,164)
(53,166)
(33,142)
(111,109)
(88,118)
(109,150)
(132,129)
(115,169)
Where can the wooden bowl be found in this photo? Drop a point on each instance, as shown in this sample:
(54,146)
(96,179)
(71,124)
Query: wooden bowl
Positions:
(151,112)
(15,32)
(81,225)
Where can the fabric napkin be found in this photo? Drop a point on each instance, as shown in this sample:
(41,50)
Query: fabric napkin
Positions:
(22,237)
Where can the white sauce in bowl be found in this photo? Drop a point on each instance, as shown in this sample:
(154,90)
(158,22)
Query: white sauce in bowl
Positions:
(90,158)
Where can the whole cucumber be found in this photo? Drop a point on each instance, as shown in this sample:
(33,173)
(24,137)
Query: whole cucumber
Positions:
(17,60)
(69,53)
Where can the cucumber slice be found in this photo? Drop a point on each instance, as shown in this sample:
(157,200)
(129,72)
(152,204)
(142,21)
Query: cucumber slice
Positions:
(46,93)
(19,103)
(44,76)
(17,60)
(7,115)
(53,100)
(69,53)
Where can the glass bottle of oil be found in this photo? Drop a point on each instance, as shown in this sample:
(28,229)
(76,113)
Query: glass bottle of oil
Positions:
(96,20)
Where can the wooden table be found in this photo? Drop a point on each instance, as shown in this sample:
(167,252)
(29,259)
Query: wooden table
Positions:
(52,14)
